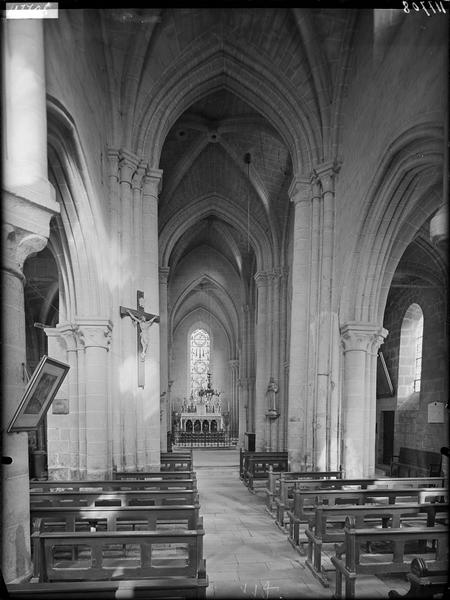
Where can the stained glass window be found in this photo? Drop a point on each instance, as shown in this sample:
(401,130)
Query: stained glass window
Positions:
(200,357)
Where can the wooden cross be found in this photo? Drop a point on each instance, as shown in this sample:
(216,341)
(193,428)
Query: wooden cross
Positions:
(144,321)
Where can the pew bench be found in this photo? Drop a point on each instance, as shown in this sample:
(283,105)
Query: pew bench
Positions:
(328,525)
(358,562)
(275,482)
(284,501)
(175,462)
(413,461)
(112,518)
(166,474)
(306,502)
(113,555)
(427,578)
(256,466)
(180,588)
(119,498)
(113,485)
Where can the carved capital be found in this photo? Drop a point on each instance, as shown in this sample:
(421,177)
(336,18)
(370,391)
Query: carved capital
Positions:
(69,332)
(362,337)
(163,275)
(18,245)
(95,333)
(326,174)
(128,163)
(439,226)
(112,155)
(153,182)
(262,278)
(138,176)
(300,190)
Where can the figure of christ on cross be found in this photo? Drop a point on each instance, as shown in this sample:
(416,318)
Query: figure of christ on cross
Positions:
(143,321)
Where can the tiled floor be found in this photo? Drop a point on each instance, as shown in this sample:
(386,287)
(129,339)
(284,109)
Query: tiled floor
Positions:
(247,556)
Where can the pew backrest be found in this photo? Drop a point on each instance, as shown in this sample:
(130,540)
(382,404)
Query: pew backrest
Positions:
(119,498)
(165,474)
(119,555)
(113,485)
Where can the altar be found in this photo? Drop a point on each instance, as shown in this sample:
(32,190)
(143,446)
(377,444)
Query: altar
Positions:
(201,416)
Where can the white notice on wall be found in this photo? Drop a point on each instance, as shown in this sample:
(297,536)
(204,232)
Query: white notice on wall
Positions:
(436,412)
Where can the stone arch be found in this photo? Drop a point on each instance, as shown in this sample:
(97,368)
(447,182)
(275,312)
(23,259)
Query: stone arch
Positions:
(73,242)
(400,199)
(246,76)
(207,206)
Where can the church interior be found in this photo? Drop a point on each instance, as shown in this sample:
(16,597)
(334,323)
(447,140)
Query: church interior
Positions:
(231,226)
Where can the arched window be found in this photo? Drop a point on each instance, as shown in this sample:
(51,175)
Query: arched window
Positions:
(418,357)
(200,358)
(410,355)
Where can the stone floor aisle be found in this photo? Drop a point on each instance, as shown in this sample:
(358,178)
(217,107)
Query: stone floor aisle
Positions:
(247,556)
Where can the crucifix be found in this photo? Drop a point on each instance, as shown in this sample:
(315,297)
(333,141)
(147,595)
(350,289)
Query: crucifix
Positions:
(142,321)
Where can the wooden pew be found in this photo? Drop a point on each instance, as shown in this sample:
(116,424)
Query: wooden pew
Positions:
(275,479)
(328,525)
(112,518)
(306,501)
(427,578)
(284,500)
(358,562)
(413,461)
(255,465)
(174,461)
(109,555)
(119,498)
(113,485)
(166,474)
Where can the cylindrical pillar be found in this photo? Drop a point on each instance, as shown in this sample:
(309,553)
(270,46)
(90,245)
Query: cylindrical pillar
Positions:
(96,337)
(358,418)
(262,349)
(299,422)
(150,263)
(164,356)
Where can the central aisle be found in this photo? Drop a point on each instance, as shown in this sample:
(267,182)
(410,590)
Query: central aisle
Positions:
(246,555)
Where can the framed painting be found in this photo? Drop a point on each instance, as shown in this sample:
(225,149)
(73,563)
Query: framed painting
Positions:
(39,394)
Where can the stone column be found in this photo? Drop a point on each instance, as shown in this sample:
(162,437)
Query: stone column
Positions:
(28,205)
(63,427)
(166,417)
(324,320)
(243,410)
(95,334)
(299,416)
(150,265)
(262,362)
(234,404)
(358,416)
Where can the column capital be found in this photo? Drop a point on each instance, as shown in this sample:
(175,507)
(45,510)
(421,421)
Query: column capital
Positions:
(112,154)
(300,190)
(69,332)
(128,163)
(94,332)
(326,174)
(18,244)
(137,179)
(163,275)
(262,278)
(365,337)
(153,182)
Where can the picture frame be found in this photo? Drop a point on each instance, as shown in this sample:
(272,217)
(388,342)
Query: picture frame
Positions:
(39,393)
